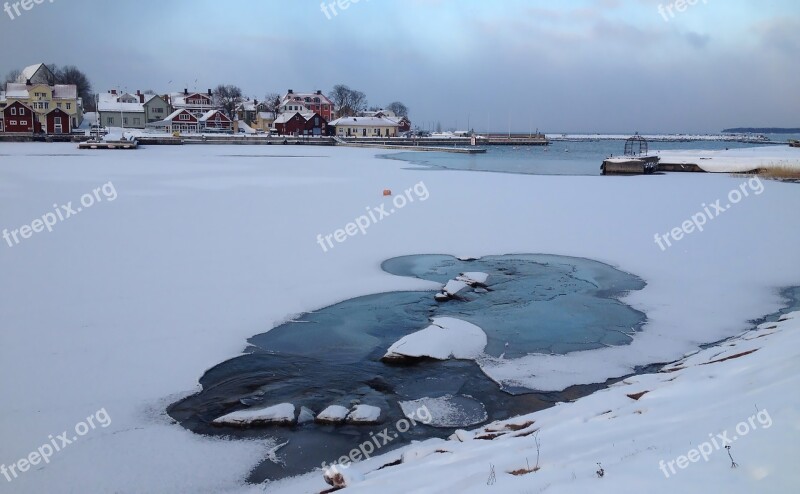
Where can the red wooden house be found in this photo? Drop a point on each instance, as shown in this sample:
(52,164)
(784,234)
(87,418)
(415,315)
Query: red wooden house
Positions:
(58,122)
(19,118)
(215,120)
(302,124)
(181,121)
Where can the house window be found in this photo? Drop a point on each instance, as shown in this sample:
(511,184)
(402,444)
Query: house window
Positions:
(184,116)
(23,122)
(69,106)
(137,121)
(125,120)
(46,105)
(110,120)
(58,105)
(12,122)
(13,111)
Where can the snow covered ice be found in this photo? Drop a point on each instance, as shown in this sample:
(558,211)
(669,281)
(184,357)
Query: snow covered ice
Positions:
(124,306)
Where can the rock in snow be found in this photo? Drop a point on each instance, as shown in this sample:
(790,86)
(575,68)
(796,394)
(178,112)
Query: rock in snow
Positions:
(445,338)
(364,414)
(282,414)
(334,414)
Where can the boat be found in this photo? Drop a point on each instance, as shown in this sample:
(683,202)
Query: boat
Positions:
(794,143)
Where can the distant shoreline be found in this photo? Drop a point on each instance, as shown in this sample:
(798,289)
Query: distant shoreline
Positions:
(761,130)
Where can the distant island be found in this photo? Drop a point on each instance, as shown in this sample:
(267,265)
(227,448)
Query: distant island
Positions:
(757,130)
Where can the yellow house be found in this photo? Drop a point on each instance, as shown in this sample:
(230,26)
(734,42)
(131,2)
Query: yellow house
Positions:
(44,98)
(365,127)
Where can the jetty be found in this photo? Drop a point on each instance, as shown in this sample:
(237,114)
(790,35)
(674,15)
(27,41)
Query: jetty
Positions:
(635,161)
(126,145)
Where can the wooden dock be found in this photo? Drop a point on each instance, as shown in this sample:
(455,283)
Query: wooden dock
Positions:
(630,165)
(129,145)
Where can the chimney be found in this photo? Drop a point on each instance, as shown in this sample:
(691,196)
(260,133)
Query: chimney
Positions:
(114,92)
(28,82)
(291,92)
(185,92)
(319,92)
(210,93)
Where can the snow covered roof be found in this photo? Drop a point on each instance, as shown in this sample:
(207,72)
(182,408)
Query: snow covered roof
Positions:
(16,90)
(65,91)
(112,106)
(302,96)
(174,114)
(213,113)
(365,122)
(285,117)
(266,115)
(30,71)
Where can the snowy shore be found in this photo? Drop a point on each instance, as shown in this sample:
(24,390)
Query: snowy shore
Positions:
(124,305)
(664,432)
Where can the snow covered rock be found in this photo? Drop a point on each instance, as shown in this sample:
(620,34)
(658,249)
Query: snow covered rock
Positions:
(334,414)
(444,339)
(474,278)
(282,414)
(364,414)
(341,477)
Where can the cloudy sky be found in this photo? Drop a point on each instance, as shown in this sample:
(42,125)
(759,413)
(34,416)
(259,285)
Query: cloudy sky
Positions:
(566,66)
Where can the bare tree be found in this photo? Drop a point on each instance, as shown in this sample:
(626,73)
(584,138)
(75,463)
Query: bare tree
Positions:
(398,109)
(69,74)
(348,102)
(228,97)
(273,103)
(12,76)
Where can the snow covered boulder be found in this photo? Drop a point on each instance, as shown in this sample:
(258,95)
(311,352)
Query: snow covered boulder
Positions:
(334,414)
(283,414)
(444,339)
(460,283)
(342,476)
(364,414)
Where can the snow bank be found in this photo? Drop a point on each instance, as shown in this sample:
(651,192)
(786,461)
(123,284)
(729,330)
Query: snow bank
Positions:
(445,338)
(736,160)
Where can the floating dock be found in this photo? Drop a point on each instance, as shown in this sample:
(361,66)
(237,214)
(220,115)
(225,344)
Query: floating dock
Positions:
(109,145)
(630,165)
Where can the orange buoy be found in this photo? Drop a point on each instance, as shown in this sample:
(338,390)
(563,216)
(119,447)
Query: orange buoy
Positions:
(387,192)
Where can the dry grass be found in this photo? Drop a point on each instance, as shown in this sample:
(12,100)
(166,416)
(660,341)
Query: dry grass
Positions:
(780,171)
(524,471)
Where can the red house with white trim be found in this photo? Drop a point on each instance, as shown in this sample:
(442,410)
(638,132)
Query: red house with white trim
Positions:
(20,118)
(58,122)
(215,120)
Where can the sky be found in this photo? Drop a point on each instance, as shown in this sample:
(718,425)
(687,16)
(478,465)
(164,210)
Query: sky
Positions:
(601,66)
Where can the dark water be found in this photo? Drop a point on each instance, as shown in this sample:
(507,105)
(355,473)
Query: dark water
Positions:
(532,303)
(560,158)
